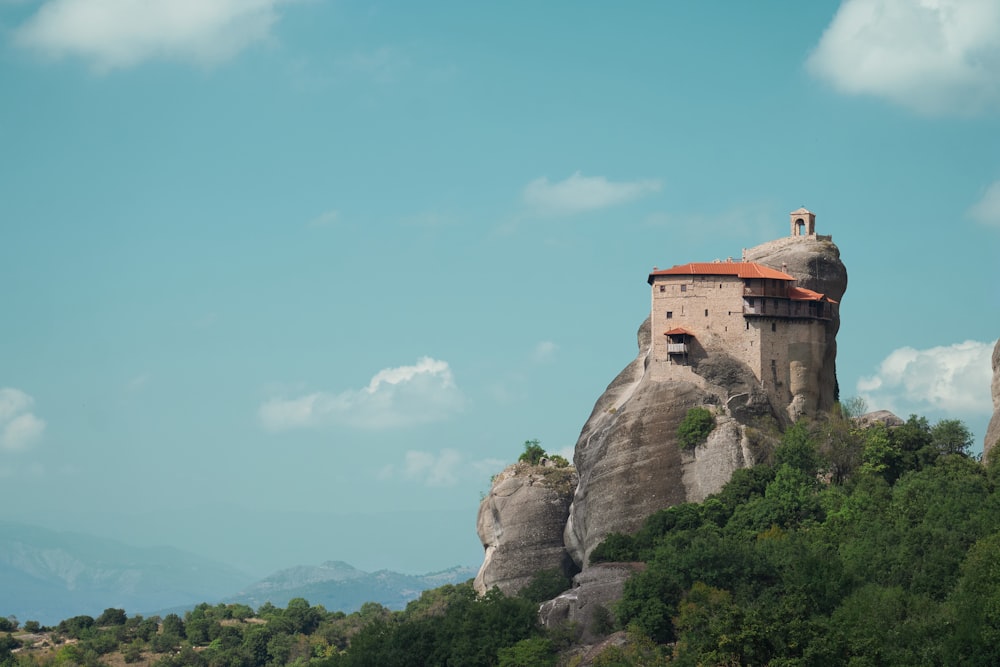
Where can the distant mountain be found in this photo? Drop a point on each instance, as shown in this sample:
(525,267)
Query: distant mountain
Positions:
(342,587)
(48,576)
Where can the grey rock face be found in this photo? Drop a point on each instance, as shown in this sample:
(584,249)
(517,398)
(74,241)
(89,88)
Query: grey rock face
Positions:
(589,603)
(880,417)
(520,525)
(993,430)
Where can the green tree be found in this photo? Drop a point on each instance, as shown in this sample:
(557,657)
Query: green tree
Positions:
(531,652)
(695,427)
(951,436)
(533,452)
(112,616)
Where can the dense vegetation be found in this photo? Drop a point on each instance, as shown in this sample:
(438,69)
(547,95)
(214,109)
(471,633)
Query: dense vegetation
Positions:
(449,625)
(855,546)
(852,546)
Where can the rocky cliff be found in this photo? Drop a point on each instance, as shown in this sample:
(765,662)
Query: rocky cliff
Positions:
(628,458)
(993,430)
(520,525)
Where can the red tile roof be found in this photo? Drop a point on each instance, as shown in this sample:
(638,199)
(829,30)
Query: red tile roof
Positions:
(803,294)
(741,269)
(677,331)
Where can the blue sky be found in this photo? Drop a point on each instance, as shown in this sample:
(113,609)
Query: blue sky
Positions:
(287,281)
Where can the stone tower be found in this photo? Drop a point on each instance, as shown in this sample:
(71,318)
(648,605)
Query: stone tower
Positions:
(803,222)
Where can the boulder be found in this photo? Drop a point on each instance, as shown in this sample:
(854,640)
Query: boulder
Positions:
(588,605)
(521,524)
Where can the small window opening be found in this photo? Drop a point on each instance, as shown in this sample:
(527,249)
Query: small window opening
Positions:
(684,288)
(706,312)
(663,288)
(670,314)
(774,327)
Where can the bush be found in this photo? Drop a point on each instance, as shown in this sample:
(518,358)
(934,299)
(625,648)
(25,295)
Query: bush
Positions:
(694,429)
(533,452)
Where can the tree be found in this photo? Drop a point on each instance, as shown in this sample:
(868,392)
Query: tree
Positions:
(533,452)
(174,626)
(695,427)
(951,436)
(112,616)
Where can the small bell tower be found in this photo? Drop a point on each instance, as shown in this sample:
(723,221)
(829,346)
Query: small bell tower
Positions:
(803,222)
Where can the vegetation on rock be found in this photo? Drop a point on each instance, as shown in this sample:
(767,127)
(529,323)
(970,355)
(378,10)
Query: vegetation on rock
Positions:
(694,429)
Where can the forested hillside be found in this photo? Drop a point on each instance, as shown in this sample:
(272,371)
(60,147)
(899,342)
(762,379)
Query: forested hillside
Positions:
(854,545)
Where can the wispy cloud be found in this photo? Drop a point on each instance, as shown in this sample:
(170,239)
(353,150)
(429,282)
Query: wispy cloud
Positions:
(19,427)
(987,210)
(953,378)
(445,468)
(934,56)
(117,34)
(580,193)
(545,351)
(325,219)
(394,398)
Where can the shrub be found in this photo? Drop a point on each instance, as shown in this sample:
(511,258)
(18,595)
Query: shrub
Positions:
(533,452)
(694,429)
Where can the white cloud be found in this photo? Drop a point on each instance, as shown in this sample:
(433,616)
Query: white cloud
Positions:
(394,398)
(934,56)
(19,427)
(325,219)
(987,210)
(434,470)
(954,379)
(580,193)
(114,34)
(545,351)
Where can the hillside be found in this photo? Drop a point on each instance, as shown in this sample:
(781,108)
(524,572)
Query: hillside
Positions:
(339,586)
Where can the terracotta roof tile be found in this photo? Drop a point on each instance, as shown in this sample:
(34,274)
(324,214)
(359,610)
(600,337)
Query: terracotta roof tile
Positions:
(741,269)
(803,294)
(677,331)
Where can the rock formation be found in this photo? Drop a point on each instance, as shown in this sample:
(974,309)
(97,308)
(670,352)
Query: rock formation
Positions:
(628,458)
(590,602)
(521,524)
(993,430)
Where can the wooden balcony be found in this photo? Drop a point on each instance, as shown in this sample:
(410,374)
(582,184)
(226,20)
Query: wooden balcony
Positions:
(787,309)
(774,292)
(677,348)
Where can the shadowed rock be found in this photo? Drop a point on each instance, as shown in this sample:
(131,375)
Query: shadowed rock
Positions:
(993,430)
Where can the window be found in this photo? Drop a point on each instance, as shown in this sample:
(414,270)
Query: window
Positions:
(684,288)
(706,312)
(670,314)
(774,327)
(663,288)
(720,285)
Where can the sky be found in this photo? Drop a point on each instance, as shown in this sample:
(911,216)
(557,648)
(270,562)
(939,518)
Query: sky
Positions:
(287,281)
